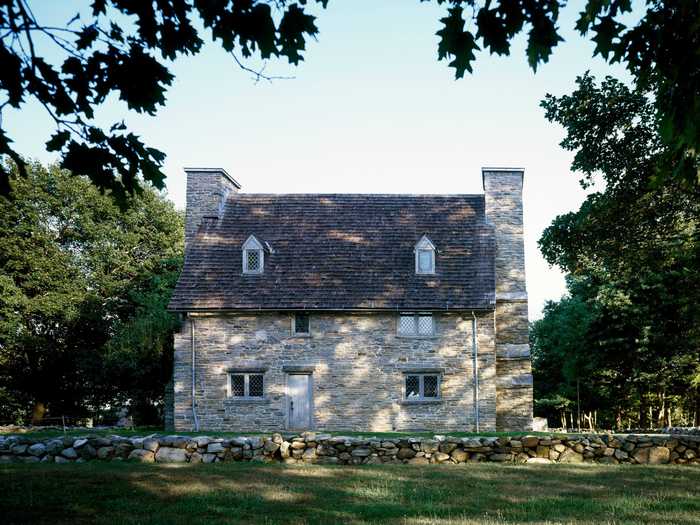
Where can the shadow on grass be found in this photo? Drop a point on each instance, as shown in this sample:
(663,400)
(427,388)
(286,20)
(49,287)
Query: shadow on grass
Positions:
(247,493)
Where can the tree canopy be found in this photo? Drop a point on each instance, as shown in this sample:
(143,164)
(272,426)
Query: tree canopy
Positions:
(83,291)
(123,48)
(633,255)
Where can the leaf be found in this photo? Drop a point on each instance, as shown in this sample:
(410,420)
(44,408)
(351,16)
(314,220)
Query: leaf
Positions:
(57,140)
(87,37)
(456,42)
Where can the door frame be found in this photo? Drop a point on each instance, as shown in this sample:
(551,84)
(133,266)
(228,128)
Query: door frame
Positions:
(310,395)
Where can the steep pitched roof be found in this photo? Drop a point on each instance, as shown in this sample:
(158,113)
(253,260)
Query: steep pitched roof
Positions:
(342,251)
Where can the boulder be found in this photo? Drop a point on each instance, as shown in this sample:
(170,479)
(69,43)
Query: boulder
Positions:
(538,460)
(659,455)
(79,443)
(70,453)
(37,449)
(104,452)
(284,449)
(360,452)
(150,444)
(459,455)
(530,441)
(270,447)
(142,455)
(18,449)
(570,456)
(171,455)
(215,448)
(61,459)
(405,453)
(441,457)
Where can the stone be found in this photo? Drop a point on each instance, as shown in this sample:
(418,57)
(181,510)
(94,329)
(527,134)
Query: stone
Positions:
(208,458)
(142,455)
(298,444)
(418,461)
(37,449)
(270,447)
(559,448)
(61,459)
(659,455)
(459,455)
(54,447)
(284,449)
(18,449)
(256,442)
(447,447)
(79,443)
(360,452)
(538,460)
(104,452)
(405,453)
(150,444)
(70,453)
(87,452)
(620,454)
(500,457)
(542,451)
(441,457)
(530,441)
(309,454)
(171,455)
(570,456)
(215,448)
(202,441)
(689,454)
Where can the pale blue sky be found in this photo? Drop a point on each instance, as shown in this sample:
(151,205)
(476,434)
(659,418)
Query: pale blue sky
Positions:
(370,110)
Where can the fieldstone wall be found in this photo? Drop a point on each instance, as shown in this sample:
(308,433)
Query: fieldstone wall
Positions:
(311,447)
(357,363)
(504,209)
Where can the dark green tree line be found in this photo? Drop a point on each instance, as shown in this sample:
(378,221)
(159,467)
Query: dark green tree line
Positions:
(83,290)
(629,331)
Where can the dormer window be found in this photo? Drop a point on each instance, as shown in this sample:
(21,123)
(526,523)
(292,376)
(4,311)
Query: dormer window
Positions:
(253,256)
(425,256)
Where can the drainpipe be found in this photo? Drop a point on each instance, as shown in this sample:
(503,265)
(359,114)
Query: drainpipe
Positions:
(475,367)
(194,378)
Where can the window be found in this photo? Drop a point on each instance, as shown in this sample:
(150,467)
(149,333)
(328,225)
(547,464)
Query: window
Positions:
(253,257)
(422,387)
(425,256)
(246,385)
(416,325)
(300,324)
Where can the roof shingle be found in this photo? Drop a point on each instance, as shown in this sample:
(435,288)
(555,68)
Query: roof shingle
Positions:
(342,251)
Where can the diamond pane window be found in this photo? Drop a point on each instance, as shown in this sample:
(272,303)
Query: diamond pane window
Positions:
(412,387)
(253,260)
(237,385)
(422,387)
(255,385)
(301,323)
(407,325)
(425,325)
(247,385)
(430,386)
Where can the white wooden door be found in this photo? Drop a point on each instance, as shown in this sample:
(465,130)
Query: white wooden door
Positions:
(299,401)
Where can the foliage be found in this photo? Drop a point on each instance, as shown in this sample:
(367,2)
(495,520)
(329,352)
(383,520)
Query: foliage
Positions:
(633,255)
(123,48)
(82,290)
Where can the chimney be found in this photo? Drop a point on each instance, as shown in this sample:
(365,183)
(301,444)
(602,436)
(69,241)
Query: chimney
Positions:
(503,192)
(503,196)
(207,190)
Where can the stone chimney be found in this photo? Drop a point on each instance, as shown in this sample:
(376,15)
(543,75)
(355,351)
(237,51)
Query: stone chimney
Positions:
(503,189)
(207,190)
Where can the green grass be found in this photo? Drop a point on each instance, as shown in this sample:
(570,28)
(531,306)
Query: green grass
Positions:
(144,431)
(106,493)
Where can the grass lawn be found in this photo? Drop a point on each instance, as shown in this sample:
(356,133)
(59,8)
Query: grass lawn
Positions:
(297,494)
(144,431)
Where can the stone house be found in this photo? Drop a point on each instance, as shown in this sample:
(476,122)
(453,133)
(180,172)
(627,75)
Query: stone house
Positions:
(352,311)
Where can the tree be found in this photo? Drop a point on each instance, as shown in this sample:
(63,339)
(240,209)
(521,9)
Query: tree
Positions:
(121,47)
(78,278)
(636,248)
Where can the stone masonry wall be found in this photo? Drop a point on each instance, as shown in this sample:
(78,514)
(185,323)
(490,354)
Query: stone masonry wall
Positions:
(311,447)
(205,191)
(504,209)
(357,363)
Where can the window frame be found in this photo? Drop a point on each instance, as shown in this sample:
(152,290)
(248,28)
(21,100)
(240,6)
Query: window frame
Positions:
(294,325)
(421,387)
(252,244)
(424,245)
(246,385)
(415,334)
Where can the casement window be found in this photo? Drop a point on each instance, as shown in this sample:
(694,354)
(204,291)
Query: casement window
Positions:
(253,256)
(425,256)
(300,324)
(416,324)
(246,385)
(422,387)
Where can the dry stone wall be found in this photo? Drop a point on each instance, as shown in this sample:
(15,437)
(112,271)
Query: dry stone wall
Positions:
(312,447)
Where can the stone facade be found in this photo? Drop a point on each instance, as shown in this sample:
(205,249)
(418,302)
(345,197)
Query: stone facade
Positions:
(504,209)
(357,363)
(311,447)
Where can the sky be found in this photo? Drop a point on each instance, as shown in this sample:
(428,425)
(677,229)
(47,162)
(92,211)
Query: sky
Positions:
(370,110)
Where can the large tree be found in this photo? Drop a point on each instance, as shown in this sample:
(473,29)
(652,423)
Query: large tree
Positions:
(121,47)
(637,249)
(83,290)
